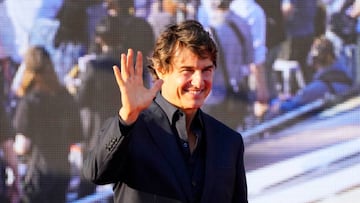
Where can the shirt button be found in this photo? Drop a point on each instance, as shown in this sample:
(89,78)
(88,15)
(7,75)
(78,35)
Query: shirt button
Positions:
(185,145)
(193,183)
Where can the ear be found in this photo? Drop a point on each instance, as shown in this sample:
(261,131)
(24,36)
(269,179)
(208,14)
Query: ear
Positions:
(159,72)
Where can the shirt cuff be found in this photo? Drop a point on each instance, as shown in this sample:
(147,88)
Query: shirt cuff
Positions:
(124,128)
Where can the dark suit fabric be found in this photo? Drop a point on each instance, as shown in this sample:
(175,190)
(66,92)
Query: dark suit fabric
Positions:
(146,165)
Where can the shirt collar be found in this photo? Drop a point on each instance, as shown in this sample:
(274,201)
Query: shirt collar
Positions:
(170,111)
(168,108)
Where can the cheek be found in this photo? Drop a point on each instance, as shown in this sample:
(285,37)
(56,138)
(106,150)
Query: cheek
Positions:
(178,80)
(174,83)
(208,79)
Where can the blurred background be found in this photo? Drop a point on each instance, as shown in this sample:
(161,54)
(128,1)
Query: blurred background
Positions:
(288,81)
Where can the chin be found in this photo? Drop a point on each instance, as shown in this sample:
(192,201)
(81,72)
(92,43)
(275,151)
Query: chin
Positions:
(195,105)
(193,101)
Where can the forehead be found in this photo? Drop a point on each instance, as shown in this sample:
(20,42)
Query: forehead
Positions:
(185,56)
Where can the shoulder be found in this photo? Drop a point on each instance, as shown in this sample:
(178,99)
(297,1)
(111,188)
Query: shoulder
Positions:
(219,128)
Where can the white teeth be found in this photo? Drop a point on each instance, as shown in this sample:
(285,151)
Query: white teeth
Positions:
(195,92)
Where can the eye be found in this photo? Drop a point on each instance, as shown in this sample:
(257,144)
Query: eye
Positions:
(209,69)
(186,70)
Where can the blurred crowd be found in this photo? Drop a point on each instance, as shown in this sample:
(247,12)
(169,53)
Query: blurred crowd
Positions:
(57,86)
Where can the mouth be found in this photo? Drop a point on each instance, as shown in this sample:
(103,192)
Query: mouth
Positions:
(195,92)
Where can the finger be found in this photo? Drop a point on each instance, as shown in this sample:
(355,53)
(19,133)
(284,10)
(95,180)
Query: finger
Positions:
(124,70)
(139,64)
(156,86)
(130,62)
(118,77)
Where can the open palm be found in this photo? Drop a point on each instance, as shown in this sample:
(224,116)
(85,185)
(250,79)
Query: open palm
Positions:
(135,97)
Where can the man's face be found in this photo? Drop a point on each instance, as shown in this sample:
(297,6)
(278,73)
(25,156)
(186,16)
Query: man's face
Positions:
(189,80)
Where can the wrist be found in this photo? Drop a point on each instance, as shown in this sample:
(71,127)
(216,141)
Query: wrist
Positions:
(128,117)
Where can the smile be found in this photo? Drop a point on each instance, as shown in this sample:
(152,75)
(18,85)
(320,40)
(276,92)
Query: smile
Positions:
(195,92)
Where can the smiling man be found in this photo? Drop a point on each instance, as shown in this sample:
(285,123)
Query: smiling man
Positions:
(161,147)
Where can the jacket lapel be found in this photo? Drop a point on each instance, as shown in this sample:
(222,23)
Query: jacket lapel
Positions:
(211,157)
(161,131)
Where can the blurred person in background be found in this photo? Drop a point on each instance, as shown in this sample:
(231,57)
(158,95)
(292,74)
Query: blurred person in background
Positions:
(143,8)
(256,18)
(162,15)
(46,122)
(9,56)
(71,37)
(355,13)
(230,95)
(40,29)
(10,190)
(275,36)
(329,79)
(45,24)
(23,15)
(95,12)
(343,32)
(134,32)
(97,90)
(299,18)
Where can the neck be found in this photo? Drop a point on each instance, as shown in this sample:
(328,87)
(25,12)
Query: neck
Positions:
(189,118)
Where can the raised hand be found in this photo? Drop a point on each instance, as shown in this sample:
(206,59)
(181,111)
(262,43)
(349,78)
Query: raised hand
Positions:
(135,97)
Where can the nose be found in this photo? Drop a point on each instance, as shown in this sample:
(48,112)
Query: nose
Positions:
(197,79)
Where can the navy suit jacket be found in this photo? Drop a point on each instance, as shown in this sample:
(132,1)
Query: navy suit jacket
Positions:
(146,165)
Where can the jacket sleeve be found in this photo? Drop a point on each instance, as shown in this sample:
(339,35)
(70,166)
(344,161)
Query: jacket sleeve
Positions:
(105,162)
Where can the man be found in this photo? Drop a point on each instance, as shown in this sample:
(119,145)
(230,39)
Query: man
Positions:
(162,147)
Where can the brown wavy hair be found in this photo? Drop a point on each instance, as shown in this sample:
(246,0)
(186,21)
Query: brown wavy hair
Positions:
(39,72)
(188,34)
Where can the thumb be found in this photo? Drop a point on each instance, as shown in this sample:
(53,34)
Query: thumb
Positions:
(156,86)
